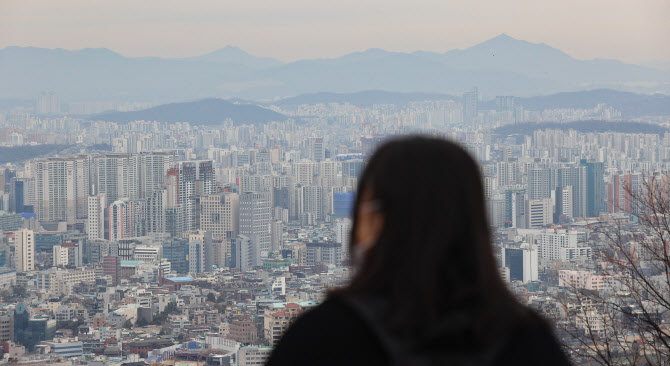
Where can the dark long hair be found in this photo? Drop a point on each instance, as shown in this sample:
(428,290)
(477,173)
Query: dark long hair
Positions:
(434,253)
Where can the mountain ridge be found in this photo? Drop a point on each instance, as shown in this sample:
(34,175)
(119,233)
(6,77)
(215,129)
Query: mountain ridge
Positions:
(501,65)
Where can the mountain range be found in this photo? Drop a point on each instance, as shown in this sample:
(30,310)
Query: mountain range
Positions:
(499,66)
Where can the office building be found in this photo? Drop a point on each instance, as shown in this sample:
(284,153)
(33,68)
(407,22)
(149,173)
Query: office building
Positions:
(111,266)
(522,263)
(540,212)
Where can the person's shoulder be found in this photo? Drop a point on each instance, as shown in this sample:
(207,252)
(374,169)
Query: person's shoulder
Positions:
(332,312)
(328,334)
(533,339)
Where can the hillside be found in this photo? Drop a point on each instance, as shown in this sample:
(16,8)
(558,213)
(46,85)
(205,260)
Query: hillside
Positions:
(17,154)
(206,112)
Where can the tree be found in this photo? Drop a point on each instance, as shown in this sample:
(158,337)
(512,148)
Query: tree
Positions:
(625,320)
(141,322)
(128,324)
(19,291)
(211,297)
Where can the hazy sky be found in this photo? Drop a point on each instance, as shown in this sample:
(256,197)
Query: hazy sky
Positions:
(629,30)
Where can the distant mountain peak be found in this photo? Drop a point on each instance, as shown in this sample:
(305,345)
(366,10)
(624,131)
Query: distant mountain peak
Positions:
(504,36)
(229,50)
(503,40)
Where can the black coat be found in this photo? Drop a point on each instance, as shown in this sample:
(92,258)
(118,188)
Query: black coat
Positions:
(334,334)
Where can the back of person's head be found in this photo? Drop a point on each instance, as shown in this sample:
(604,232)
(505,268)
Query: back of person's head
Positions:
(433,252)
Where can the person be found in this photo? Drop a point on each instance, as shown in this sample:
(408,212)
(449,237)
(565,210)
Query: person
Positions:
(425,288)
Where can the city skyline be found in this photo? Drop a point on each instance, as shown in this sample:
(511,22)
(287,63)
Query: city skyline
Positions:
(298,30)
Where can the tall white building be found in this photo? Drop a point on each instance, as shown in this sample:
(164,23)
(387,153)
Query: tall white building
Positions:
(522,263)
(277,230)
(342,235)
(552,241)
(317,150)
(255,216)
(62,188)
(540,212)
(60,256)
(153,168)
(539,183)
(24,247)
(219,214)
(245,253)
(127,219)
(117,176)
(191,178)
(196,256)
(95,223)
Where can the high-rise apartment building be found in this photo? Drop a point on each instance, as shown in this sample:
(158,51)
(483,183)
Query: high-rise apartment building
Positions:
(470,105)
(563,209)
(116,175)
(575,177)
(317,150)
(62,188)
(127,219)
(539,183)
(95,223)
(191,178)
(48,103)
(219,214)
(255,216)
(153,168)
